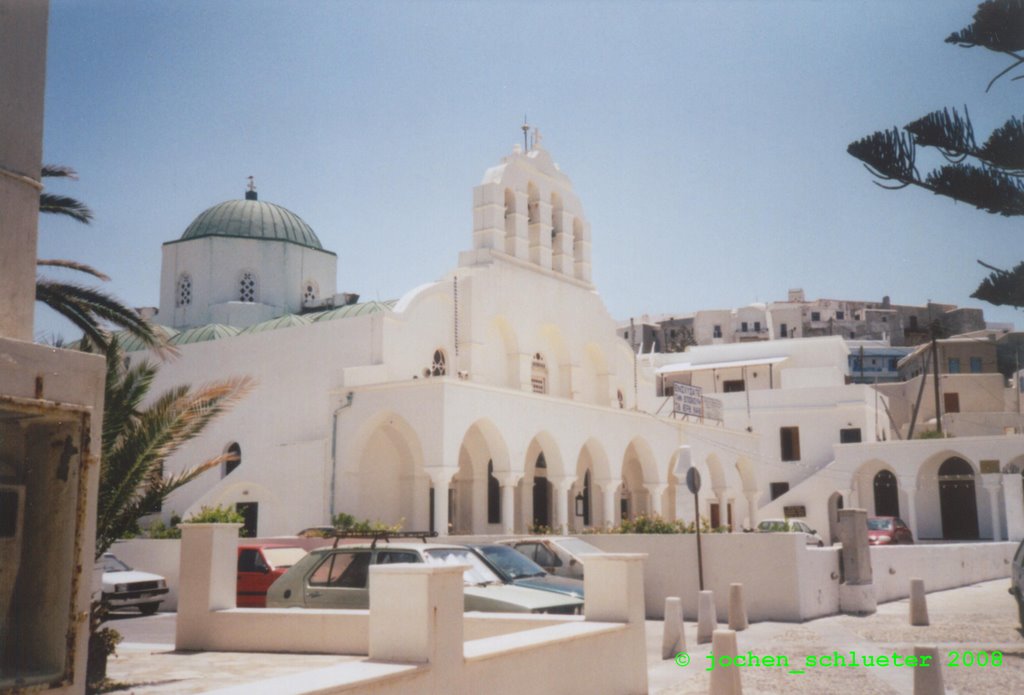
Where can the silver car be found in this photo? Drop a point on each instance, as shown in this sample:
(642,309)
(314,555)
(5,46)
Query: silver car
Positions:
(560,555)
(339,578)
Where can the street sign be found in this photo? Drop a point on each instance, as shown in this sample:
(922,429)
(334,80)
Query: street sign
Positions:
(693,480)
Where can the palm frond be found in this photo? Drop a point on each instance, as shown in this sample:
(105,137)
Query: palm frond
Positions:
(74,265)
(88,308)
(132,482)
(58,171)
(65,205)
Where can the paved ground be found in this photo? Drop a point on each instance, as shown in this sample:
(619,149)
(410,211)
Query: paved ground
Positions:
(980,618)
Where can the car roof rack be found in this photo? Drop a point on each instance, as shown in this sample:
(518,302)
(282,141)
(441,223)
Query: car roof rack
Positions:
(386,536)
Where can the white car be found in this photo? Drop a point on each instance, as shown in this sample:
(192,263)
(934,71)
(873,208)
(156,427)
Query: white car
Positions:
(791,526)
(559,555)
(124,587)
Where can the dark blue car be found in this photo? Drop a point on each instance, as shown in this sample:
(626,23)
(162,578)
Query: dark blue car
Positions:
(515,568)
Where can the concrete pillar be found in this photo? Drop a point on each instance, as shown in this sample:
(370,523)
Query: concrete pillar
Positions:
(737,608)
(22,85)
(992,482)
(1013,500)
(656,491)
(707,618)
(918,603)
(610,499)
(908,483)
(725,680)
(857,592)
(441,478)
(673,639)
(508,500)
(752,496)
(207,578)
(560,489)
(928,679)
(416,617)
(614,587)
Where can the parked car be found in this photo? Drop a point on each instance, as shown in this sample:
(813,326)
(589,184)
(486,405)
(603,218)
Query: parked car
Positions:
(259,566)
(124,587)
(791,526)
(338,578)
(515,568)
(1017,582)
(888,530)
(558,555)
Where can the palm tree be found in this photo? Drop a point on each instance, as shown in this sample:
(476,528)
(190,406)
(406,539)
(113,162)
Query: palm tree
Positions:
(136,440)
(135,443)
(86,307)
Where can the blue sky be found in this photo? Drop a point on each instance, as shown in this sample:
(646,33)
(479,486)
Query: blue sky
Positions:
(706,140)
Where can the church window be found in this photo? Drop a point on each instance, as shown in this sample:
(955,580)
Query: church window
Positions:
(247,287)
(539,374)
(184,297)
(310,293)
(493,496)
(234,452)
(439,366)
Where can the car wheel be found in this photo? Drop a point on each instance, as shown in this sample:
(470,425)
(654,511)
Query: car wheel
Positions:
(148,608)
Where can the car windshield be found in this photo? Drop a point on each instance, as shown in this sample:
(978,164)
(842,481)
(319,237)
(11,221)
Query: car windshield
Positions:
(511,563)
(773,525)
(879,524)
(284,557)
(112,564)
(477,573)
(577,547)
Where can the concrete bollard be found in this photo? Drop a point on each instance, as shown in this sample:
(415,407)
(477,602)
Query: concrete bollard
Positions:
(673,639)
(737,608)
(918,603)
(707,620)
(725,679)
(928,679)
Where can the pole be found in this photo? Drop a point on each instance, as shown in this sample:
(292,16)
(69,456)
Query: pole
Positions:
(700,559)
(935,371)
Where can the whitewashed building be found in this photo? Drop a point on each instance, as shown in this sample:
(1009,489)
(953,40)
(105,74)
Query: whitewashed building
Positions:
(500,398)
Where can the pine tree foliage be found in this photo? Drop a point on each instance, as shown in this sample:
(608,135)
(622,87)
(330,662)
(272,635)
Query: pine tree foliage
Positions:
(991,176)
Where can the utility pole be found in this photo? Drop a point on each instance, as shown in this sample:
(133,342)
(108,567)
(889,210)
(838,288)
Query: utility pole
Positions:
(935,371)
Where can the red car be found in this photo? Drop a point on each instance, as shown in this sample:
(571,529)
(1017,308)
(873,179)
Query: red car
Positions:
(888,530)
(258,567)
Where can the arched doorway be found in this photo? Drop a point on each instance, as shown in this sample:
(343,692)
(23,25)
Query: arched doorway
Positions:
(541,494)
(835,503)
(957,502)
(887,494)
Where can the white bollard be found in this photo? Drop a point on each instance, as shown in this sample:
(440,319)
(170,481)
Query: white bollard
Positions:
(707,620)
(737,608)
(918,603)
(928,679)
(673,640)
(725,678)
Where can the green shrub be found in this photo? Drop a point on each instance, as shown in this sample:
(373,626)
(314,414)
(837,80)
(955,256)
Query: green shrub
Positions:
(348,523)
(216,515)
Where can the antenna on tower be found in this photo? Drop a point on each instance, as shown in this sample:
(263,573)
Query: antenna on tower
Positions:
(526,131)
(250,190)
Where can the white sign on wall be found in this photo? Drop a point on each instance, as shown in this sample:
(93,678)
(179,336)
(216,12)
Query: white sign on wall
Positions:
(687,400)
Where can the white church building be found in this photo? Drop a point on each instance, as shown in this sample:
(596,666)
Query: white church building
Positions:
(498,398)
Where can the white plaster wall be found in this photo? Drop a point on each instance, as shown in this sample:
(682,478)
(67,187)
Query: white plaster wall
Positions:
(215,265)
(943,566)
(776,571)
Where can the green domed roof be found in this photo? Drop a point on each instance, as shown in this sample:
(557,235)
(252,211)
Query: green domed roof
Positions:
(200,334)
(252,219)
(286,321)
